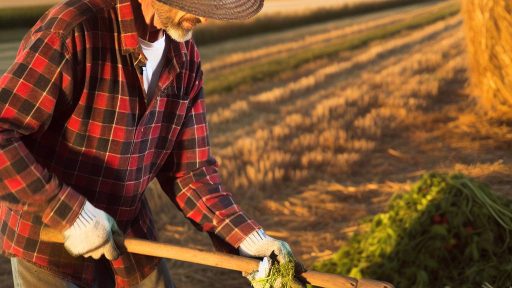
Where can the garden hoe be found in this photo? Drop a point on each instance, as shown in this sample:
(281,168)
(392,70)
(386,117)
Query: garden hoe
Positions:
(223,260)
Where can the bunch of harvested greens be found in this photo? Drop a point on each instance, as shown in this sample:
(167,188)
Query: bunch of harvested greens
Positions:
(280,275)
(449,231)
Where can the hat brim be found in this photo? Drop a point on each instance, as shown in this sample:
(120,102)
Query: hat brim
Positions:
(218,9)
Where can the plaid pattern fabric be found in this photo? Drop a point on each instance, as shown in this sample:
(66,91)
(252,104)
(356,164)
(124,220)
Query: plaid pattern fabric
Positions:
(76,124)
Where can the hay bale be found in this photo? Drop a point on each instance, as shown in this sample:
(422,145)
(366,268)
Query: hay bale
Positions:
(488,26)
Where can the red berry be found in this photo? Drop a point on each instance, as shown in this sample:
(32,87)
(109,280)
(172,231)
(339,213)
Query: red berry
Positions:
(437,219)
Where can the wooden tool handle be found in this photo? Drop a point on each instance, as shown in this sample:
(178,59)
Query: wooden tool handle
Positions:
(222,260)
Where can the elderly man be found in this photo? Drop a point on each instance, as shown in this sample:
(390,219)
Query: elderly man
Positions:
(103,97)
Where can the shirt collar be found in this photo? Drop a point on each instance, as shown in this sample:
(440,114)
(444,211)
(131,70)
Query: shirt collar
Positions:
(130,38)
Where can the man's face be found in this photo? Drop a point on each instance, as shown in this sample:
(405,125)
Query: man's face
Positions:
(176,23)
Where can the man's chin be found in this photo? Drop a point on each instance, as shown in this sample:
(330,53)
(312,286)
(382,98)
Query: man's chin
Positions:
(179,35)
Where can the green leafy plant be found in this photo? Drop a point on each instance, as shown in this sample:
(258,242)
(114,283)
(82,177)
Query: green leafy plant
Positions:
(448,231)
(281,275)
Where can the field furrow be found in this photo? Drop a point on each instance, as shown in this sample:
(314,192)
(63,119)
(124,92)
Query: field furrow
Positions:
(301,86)
(265,157)
(242,77)
(317,35)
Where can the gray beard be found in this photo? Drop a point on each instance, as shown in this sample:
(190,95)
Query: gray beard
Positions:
(178,34)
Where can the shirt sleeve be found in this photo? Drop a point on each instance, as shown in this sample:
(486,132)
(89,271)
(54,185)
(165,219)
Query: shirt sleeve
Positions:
(191,179)
(28,94)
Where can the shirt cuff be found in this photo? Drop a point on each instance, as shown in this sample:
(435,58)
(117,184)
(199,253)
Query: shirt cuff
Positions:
(64,209)
(237,229)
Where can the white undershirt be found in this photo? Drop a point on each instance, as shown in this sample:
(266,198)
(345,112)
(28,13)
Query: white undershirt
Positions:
(154,53)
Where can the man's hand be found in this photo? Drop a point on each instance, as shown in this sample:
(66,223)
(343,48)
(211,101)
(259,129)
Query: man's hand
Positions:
(93,234)
(260,245)
(257,278)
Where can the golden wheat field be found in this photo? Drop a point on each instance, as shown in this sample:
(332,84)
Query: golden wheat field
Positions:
(311,150)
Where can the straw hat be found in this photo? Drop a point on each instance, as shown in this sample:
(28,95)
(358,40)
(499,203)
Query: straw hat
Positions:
(218,9)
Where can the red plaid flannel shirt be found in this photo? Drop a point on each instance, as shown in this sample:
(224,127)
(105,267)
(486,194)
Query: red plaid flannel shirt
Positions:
(75,124)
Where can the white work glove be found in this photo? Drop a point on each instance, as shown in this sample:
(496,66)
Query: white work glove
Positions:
(257,278)
(92,234)
(260,245)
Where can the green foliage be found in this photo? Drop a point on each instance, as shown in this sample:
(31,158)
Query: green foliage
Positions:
(281,275)
(233,78)
(448,231)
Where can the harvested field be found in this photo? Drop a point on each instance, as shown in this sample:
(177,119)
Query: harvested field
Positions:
(240,51)
(311,150)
